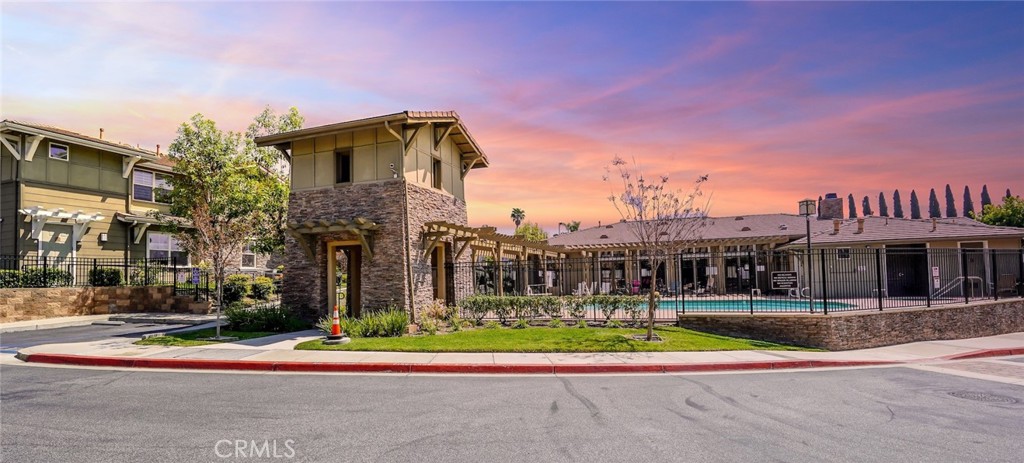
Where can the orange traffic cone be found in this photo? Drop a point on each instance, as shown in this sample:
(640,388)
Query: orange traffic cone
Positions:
(336,326)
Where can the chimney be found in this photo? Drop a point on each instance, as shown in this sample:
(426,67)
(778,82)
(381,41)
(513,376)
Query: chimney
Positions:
(934,224)
(831,207)
(835,226)
(157,150)
(860,225)
(101,133)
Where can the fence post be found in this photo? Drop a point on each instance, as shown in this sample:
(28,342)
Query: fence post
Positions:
(1020,276)
(750,261)
(174,276)
(145,271)
(995,274)
(824,284)
(878,276)
(46,276)
(93,271)
(963,276)
(127,278)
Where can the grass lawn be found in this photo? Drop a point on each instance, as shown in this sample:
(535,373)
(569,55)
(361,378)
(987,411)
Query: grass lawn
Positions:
(542,339)
(190,338)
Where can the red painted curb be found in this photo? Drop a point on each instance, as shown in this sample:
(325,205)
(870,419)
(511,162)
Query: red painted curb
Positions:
(986,353)
(324,367)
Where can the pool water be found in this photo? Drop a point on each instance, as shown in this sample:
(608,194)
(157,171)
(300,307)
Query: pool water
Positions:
(760,305)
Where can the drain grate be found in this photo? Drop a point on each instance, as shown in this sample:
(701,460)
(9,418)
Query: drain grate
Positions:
(983,397)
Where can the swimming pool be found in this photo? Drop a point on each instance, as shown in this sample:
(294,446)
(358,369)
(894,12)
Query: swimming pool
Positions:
(740,305)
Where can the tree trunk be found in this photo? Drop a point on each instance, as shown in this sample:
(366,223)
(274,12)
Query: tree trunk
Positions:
(652,304)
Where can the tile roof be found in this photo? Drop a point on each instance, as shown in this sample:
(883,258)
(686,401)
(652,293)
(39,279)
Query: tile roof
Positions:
(893,230)
(777,228)
(69,133)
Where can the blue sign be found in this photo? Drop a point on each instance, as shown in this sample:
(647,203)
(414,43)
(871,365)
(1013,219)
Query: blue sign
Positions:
(195,276)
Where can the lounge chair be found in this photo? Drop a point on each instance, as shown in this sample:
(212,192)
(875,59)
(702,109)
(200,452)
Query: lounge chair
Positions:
(583,289)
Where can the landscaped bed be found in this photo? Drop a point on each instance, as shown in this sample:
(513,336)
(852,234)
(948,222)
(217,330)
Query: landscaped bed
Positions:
(544,339)
(191,338)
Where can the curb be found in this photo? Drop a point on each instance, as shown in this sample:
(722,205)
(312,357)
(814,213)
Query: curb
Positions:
(985,353)
(320,367)
(43,325)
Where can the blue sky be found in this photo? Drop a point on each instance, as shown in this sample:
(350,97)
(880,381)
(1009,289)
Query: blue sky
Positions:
(776,101)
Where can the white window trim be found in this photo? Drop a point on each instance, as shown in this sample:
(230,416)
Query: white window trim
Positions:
(241,259)
(67,151)
(152,186)
(188,258)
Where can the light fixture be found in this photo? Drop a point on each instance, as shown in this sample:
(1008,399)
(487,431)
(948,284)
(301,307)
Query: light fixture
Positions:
(807,209)
(103,237)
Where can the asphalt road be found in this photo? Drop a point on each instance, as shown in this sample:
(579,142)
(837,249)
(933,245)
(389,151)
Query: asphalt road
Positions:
(879,414)
(10,342)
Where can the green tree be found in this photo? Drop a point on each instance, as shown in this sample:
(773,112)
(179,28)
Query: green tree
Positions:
(866,209)
(883,207)
(662,220)
(530,231)
(853,206)
(915,205)
(934,211)
(950,202)
(985,198)
(1008,195)
(225,193)
(572,225)
(1009,214)
(968,202)
(897,205)
(275,212)
(518,216)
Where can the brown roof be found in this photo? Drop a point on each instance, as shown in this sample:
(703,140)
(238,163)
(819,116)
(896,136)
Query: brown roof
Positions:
(749,229)
(32,127)
(896,231)
(461,135)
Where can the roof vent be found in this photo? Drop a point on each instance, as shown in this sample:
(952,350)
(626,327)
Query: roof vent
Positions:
(607,226)
(663,233)
(604,237)
(783,227)
(745,229)
(739,218)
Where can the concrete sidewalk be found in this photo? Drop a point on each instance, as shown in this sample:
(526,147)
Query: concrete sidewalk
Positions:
(82,320)
(276,353)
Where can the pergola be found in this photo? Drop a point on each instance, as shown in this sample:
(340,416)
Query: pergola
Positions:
(305,232)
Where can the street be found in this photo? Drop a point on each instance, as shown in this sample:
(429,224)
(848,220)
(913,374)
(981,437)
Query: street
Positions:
(888,414)
(10,342)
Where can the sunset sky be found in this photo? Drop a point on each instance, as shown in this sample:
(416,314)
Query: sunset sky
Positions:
(775,101)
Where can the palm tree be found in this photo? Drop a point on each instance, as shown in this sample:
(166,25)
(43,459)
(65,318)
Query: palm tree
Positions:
(517,216)
(572,225)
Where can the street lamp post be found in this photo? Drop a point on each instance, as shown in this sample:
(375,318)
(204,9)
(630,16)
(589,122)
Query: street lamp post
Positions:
(807,209)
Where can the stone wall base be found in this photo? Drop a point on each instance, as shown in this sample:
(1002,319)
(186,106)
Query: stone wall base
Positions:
(22,304)
(863,329)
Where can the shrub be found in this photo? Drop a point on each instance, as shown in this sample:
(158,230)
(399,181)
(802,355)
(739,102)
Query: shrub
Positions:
(262,288)
(391,322)
(492,325)
(550,306)
(521,323)
(235,288)
(457,323)
(477,306)
(266,317)
(581,323)
(555,323)
(105,276)
(10,278)
(429,326)
(438,310)
(145,276)
(45,277)
(613,324)
(575,306)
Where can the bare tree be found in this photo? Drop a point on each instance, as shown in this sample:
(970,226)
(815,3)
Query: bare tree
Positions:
(662,220)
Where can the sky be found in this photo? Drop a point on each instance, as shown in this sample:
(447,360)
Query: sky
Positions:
(775,102)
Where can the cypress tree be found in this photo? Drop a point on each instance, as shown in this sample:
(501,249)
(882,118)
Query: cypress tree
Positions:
(883,207)
(866,209)
(968,202)
(985,198)
(1008,195)
(897,205)
(915,205)
(950,204)
(853,206)
(934,211)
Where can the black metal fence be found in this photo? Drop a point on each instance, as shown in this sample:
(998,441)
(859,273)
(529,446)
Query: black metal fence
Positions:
(49,272)
(826,280)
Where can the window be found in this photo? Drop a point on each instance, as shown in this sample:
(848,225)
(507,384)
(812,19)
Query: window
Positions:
(150,186)
(58,152)
(437,173)
(162,247)
(248,256)
(842,253)
(343,166)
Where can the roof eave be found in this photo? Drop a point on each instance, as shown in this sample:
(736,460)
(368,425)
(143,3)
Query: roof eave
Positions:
(124,151)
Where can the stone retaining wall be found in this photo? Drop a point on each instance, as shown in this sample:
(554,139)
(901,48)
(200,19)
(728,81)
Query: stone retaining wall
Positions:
(21,304)
(865,329)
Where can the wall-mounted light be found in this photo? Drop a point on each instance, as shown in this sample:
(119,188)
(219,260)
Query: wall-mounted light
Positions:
(103,237)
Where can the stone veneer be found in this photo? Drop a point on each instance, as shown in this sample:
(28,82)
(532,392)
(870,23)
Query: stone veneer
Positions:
(864,329)
(385,276)
(21,304)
